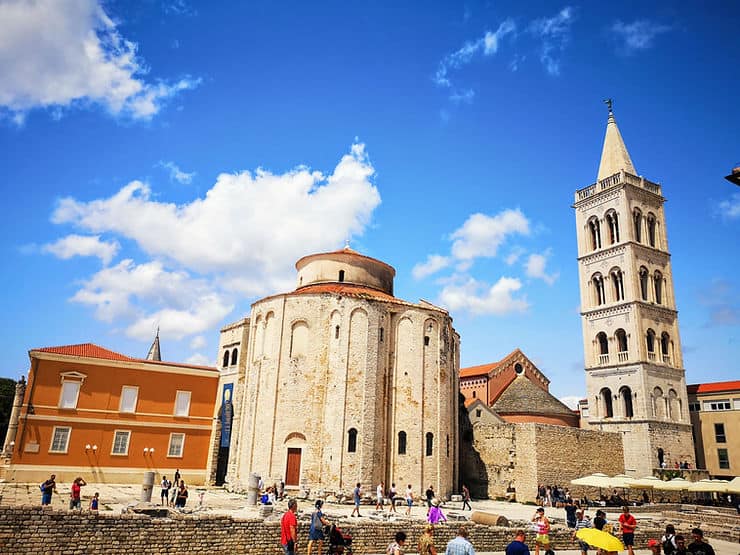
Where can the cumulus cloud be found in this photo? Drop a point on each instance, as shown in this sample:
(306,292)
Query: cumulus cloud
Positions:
(200,360)
(481,235)
(55,54)
(536,267)
(514,254)
(434,263)
(176,174)
(198,342)
(479,298)
(571,401)
(638,35)
(730,208)
(554,34)
(83,245)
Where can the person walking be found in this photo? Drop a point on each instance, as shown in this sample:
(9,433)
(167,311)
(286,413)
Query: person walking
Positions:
(668,541)
(75,496)
(542,525)
(47,488)
(289,528)
(165,494)
(357,496)
(177,477)
(570,513)
(627,524)
(582,521)
(429,495)
(435,514)
(699,546)
(316,529)
(518,547)
(379,492)
(182,495)
(466,498)
(396,547)
(460,544)
(409,499)
(392,496)
(95,502)
(426,541)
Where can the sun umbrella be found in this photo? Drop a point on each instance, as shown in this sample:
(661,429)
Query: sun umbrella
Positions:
(620,481)
(677,484)
(597,480)
(647,482)
(733,486)
(709,485)
(600,539)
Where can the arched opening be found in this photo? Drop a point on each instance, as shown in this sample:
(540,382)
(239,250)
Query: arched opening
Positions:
(643,283)
(637,225)
(598,282)
(595,232)
(603,348)
(650,339)
(613,221)
(298,339)
(626,395)
(665,347)
(618,281)
(673,405)
(429,444)
(606,400)
(651,227)
(658,280)
(658,403)
(401,443)
(226,358)
(518,368)
(341,276)
(622,347)
(234,356)
(352,440)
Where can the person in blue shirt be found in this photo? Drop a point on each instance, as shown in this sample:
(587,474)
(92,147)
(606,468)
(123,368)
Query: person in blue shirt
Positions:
(518,547)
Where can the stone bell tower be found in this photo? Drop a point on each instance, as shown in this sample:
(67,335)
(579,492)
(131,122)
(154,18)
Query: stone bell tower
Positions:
(635,379)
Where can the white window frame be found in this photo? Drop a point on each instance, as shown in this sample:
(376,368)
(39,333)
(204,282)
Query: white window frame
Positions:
(136,401)
(187,408)
(113,443)
(53,437)
(66,382)
(182,446)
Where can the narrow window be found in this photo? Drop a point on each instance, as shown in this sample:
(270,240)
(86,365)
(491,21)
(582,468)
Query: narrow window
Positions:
(129,396)
(182,403)
(475,394)
(598,282)
(637,220)
(644,283)
(341,276)
(426,341)
(665,341)
(430,444)
(658,279)
(70,395)
(60,439)
(606,398)
(478,413)
(618,285)
(626,393)
(603,343)
(336,332)
(352,440)
(234,356)
(120,442)
(651,343)
(719,433)
(381,334)
(622,347)
(401,443)
(651,229)
(595,229)
(613,223)
(447,449)
(723,458)
(177,444)
(226,358)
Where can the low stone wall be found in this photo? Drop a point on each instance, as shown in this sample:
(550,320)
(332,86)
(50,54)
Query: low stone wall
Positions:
(33,530)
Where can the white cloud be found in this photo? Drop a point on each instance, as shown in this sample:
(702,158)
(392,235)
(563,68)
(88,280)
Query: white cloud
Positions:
(554,32)
(481,235)
(478,298)
(730,208)
(203,313)
(83,245)
(433,264)
(536,266)
(571,401)
(637,35)
(176,174)
(57,54)
(514,255)
(200,360)
(198,342)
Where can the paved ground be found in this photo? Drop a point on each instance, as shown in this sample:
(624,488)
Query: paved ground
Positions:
(115,497)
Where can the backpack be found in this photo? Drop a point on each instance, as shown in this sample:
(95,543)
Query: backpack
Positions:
(41,486)
(668,546)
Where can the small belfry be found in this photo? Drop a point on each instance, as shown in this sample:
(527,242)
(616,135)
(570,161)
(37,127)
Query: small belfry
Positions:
(635,378)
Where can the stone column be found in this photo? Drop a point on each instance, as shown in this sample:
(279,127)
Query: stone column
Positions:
(15,415)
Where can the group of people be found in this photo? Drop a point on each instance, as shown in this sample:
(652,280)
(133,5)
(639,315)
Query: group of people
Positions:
(459,545)
(179,495)
(392,494)
(49,487)
(551,495)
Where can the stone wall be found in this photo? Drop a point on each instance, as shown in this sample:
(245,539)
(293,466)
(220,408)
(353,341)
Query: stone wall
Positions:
(33,530)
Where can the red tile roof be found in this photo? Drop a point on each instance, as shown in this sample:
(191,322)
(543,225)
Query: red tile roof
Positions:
(714,387)
(347,289)
(479,370)
(84,350)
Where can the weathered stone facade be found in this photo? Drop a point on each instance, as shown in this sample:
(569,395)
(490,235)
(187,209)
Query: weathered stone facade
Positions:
(345,383)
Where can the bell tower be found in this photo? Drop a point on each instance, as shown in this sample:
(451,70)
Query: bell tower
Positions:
(635,379)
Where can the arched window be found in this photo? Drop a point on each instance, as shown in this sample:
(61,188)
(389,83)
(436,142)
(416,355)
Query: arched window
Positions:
(336,332)
(606,399)
(658,280)
(234,356)
(595,229)
(644,283)
(226,358)
(637,224)
(598,282)
(352,440)
(617,279)
(651,229)
(622,348)
(626,394)
(672,404)
(341,276)
(613,221)
(665,347)
(429,444)
(401,443)
(299,339)
(603,348)
(658,403)
(651,344)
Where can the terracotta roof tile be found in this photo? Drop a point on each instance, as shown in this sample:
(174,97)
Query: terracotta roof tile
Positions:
(84,350)
(479,370)
(714,387)
(347,289)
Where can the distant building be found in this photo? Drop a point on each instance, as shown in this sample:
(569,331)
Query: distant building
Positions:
(715,416)
(87,411)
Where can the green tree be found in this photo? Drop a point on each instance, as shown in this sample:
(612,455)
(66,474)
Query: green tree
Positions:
(7,394)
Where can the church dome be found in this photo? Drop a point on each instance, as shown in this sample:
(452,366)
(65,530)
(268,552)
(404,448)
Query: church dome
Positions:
(345,266)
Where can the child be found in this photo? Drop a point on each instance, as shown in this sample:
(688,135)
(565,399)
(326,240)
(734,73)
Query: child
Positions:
(94,502)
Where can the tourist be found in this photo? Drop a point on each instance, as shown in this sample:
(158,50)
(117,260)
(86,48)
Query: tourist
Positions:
(173,494)
(518,547)
(409,499)
(654,546)
(379,492)
(600,520)
(75,496)
(396,547)
(548,496)
(182,495)
(430,495)
(357,496)
(582,521)
(570,513)
(680,545)
(542,525)
(281,491)
(466,497)
(460,544)
(426,541)
(177,477)
(165,494)
(95,502)
(392,496)
(668,541)
(47,488)
(289,528)
(316,529)
(627,524)
(435,514)
(699,546)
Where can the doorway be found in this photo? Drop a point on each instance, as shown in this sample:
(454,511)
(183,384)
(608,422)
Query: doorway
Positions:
(293,467)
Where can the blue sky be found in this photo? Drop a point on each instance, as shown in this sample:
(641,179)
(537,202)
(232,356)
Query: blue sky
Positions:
(165,163)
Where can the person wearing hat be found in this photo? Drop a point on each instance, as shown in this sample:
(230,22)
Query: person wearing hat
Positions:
(426,541)
(542,525)
(654,546)
(316,529)
(435,514)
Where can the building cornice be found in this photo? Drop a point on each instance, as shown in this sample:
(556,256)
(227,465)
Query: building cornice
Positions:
(134,364)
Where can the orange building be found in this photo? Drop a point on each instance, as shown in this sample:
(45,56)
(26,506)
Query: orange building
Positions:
(107,417)
(516,391)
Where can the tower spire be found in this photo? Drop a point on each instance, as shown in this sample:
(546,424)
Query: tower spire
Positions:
(614,155)
(154,353)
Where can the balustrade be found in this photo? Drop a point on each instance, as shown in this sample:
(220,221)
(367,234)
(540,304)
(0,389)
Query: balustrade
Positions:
(604,359)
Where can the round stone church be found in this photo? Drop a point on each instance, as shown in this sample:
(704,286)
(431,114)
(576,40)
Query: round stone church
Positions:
(339,382)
